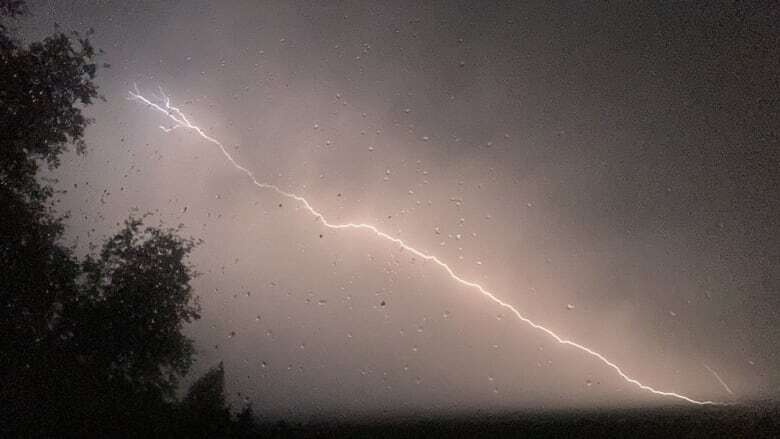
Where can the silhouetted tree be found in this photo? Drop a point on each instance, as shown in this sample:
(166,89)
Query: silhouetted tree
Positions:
(92,347)
(86,348)
(125,328)
(44,86)
(42,89)
(138,292)
(205,412)
(246,423)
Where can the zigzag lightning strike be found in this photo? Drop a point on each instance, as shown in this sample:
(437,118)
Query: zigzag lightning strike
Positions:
(181,121)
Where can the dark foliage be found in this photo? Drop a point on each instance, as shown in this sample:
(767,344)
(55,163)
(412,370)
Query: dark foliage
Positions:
(89,347)
(205,412)
(139,275)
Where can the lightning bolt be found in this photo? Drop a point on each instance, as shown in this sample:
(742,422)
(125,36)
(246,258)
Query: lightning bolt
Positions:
(717,377)
(162,104)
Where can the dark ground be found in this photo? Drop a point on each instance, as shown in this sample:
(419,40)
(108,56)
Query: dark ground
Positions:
(757,420)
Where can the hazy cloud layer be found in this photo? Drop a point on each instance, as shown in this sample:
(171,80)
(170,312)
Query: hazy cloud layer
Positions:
(618,159)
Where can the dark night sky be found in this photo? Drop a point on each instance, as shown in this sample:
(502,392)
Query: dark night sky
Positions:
(618,157)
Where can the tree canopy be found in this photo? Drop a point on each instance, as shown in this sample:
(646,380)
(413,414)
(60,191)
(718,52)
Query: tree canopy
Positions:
(91,346)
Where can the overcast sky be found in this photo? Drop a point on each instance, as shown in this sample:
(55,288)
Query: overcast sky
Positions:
(611,170)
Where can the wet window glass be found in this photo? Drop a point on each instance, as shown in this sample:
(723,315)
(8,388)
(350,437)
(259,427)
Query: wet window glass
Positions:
(251,219)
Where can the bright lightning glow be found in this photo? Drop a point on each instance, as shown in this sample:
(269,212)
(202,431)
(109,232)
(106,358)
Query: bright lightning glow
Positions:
(181,121)
(717,377)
